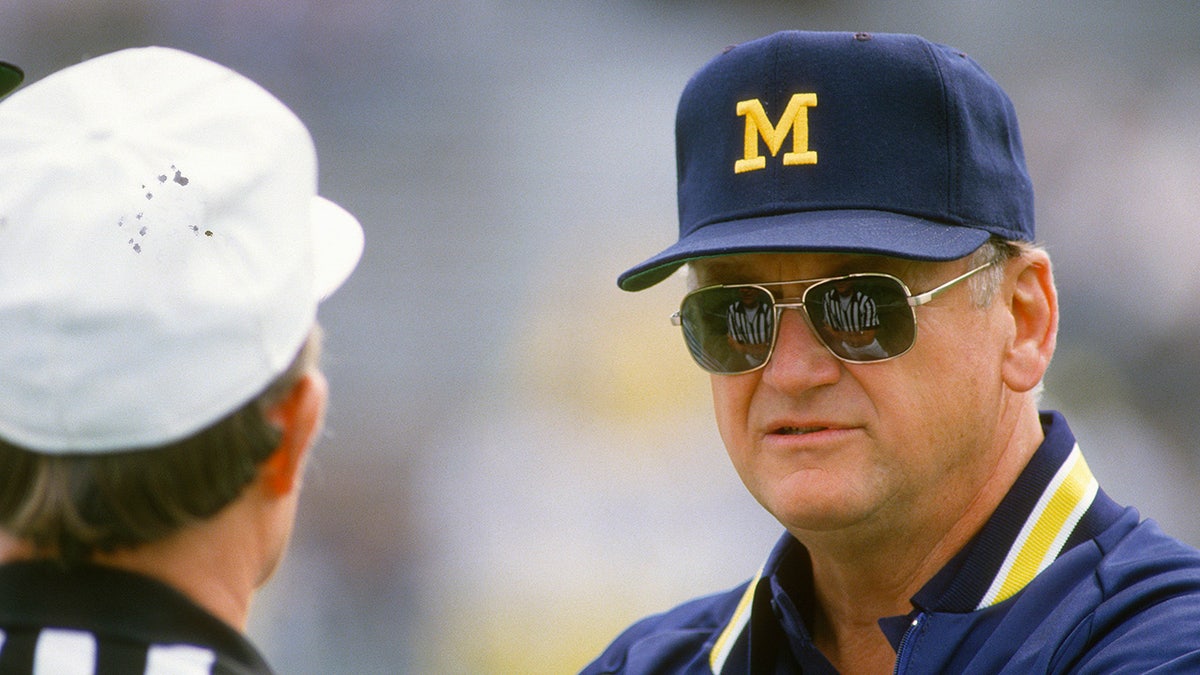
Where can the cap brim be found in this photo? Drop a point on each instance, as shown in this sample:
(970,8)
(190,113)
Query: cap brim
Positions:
(337,246)
(843,231)
(10,77)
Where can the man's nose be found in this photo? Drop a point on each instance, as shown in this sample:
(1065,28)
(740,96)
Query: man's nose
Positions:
(800,360)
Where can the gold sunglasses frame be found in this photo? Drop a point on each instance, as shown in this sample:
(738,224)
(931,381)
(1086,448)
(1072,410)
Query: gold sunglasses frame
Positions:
(778,305)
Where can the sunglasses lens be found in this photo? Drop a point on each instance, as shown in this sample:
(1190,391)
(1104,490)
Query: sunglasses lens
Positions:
(862,318)
(729,330)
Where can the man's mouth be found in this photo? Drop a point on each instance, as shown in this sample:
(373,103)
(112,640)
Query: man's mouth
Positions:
(797,431)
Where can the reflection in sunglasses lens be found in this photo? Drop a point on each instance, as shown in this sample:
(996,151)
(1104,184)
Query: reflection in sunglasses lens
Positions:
(731,329)
(861,319)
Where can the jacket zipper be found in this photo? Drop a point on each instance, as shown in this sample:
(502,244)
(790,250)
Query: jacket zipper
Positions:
(905,643)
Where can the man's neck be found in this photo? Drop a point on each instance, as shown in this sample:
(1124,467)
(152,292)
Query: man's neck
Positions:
(216,563)
(861,577)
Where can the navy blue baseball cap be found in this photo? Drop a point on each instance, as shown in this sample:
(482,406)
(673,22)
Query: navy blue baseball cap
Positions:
(10,77)
(843,142)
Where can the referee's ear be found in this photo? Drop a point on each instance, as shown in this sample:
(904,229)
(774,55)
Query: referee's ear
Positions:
(299,416)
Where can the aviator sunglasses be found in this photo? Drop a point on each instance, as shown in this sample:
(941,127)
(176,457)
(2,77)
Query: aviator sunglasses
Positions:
(860,318)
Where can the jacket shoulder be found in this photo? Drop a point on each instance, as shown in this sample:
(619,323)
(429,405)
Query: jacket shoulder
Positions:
(675,641)
(1149,588)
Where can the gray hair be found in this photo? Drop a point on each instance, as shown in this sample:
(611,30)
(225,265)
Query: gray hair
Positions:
(997,251)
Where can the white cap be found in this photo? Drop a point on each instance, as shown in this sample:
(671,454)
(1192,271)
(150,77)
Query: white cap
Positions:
(162,250)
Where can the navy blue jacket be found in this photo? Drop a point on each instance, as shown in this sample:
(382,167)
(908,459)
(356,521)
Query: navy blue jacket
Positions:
(1060,579)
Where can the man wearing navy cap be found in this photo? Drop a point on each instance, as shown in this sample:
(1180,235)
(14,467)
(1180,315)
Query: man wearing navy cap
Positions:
(936,521)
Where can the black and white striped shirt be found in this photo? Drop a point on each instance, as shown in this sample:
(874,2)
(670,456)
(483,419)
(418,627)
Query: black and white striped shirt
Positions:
(750,325)
(854,312)
(100,621)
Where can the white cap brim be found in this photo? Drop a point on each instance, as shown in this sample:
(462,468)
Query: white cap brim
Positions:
(337,246)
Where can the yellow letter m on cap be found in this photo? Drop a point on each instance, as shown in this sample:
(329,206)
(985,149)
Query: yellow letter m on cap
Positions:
(794,119)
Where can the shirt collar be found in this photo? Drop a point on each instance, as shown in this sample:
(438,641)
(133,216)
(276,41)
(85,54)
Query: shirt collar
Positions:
(117,604)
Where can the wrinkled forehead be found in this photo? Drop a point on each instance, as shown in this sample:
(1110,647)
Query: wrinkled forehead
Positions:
(768,267)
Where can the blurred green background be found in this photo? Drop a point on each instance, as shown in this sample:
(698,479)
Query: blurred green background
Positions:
(520,458)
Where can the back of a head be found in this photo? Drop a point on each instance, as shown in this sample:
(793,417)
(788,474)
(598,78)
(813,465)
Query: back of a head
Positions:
(162,254)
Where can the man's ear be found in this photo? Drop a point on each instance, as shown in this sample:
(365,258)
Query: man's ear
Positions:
(1033,303)
(299,416)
